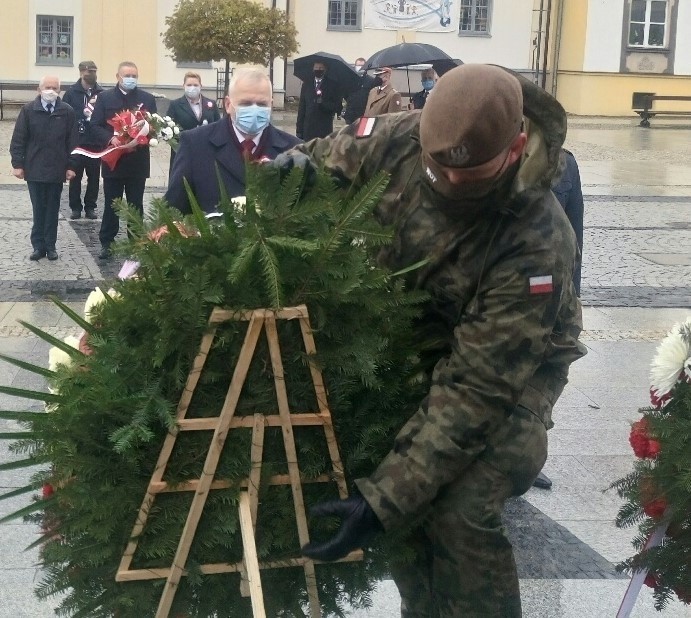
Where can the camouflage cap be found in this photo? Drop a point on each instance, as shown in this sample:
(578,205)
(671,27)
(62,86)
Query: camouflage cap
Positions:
(474,112)
(87,65)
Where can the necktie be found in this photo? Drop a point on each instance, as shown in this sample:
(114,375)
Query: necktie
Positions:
(247,148)
(49,107)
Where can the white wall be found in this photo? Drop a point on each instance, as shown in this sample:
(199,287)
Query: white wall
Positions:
(603,38)
(682,55)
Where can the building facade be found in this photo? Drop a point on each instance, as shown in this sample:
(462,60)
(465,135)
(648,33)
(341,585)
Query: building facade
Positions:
(592,54)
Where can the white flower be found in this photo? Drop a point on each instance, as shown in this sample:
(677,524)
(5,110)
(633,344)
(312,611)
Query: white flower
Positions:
(672,357)
(56,356)
(171,124)
(153,142)
(129,268)
(240,200)
(205,121)
(167,118)
(176,130)
(166,133)
(96,298)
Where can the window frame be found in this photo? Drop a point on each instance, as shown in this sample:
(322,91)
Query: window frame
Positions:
(473,7)
(342,27)
(646,27)
(55,59)
(192,64)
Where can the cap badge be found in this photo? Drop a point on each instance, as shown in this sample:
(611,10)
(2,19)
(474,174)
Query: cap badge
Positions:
(458,155)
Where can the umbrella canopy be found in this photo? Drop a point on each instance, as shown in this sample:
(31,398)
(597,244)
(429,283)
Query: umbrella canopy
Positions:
(336,68)
(442,66)
(406,54)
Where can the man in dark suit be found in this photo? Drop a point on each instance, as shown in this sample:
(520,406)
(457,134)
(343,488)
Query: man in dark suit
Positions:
(320,101)
(133,168)
(246,134)
(81,96)
(356,101)
(193,109)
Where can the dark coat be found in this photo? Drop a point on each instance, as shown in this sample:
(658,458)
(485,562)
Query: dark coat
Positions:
(316,114)
(77,98)
(181,112)
(202,149)
(134,164)
(419,99)
(570,195)
(357,100)
(41,142)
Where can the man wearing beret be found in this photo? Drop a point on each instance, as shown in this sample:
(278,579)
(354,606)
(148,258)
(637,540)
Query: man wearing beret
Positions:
(470,193)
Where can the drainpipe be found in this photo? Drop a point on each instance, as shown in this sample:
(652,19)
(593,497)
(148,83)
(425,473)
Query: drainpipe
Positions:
(557,47)
(538,45)
(546,54)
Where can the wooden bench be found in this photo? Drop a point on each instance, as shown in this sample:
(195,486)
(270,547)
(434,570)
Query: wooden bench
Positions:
(643,103)
(6,87)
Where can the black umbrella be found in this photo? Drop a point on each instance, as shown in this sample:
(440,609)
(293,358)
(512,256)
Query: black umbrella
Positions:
(336,68)
(405,54)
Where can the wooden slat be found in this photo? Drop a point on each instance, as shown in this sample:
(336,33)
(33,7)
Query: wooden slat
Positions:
(275,479)
(273,420)
(210,465)
(226,567)
(251,562)
(219,315)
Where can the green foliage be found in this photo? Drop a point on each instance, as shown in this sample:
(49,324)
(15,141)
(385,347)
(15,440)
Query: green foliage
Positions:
(289,245)
(239,31)
(667,478)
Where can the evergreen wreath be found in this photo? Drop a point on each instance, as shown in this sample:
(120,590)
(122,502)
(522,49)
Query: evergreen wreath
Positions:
(658,491)
(111,404)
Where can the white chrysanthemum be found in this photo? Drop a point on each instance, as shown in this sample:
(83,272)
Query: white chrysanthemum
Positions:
(96,298)
(672,357)
(153,142)
(56,356)
(240,200)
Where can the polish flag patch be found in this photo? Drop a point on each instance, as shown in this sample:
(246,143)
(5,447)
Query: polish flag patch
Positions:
(365,127)
(540,285)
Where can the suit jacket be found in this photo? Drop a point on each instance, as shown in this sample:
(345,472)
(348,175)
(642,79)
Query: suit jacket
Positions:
(316,114)
(136,163)
(383,102)
(419,99)
(181,112)
(41,142)
(214,144)
(357,100)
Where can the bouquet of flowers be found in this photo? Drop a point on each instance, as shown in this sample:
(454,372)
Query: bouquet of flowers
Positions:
(134,128)
(658,491)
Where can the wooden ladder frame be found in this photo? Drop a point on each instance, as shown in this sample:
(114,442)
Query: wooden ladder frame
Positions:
(250,566)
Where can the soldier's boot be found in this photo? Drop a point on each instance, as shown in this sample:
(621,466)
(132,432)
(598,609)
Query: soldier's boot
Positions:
(542,482)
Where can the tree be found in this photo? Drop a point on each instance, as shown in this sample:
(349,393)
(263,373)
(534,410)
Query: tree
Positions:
(239,31)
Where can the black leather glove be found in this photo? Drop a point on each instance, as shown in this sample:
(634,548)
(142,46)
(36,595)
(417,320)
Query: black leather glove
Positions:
(286,161)
(358,524)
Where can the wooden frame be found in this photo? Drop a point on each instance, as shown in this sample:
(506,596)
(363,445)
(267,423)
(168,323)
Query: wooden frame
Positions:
(249,567)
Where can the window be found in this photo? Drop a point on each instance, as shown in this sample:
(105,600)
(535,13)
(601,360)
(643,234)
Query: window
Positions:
(54,40)
(344,15)
(475,17)
(648,23)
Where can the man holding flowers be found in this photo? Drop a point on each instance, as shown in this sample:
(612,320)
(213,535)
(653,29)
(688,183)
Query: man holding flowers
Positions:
(133,168)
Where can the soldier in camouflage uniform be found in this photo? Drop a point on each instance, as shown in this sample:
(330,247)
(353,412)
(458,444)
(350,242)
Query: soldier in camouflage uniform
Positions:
(469,192)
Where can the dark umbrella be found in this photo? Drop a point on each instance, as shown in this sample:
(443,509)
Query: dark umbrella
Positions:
(405,54)
(337,69)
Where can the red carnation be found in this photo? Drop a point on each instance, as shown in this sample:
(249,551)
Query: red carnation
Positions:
(641,442)
(47,491)
(655,508)
(650,580)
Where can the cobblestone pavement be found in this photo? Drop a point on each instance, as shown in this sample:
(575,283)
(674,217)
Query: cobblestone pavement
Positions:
(636,285)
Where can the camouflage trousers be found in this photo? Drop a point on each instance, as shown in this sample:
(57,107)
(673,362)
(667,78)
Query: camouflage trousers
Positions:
(462,562)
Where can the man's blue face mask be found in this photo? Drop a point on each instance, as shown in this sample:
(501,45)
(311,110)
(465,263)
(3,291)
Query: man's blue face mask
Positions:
(129,83)
(252,119)
(428,84)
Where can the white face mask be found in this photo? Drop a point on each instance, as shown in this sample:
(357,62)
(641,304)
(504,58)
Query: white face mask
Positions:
(49,96)
(192,92)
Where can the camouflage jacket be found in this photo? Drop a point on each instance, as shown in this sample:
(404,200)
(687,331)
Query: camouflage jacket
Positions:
(509,331)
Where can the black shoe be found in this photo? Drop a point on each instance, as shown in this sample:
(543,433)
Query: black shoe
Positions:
(542,482)
(105,254)
(52,254)
(37,255)
(76,214)
(90,213)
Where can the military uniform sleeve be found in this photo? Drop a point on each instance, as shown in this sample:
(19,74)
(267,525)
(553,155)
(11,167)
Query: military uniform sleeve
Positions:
(395,103)
(498,345)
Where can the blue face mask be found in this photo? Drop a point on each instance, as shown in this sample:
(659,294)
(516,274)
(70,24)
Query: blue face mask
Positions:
(129,83)
(428,84)
(251,119)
